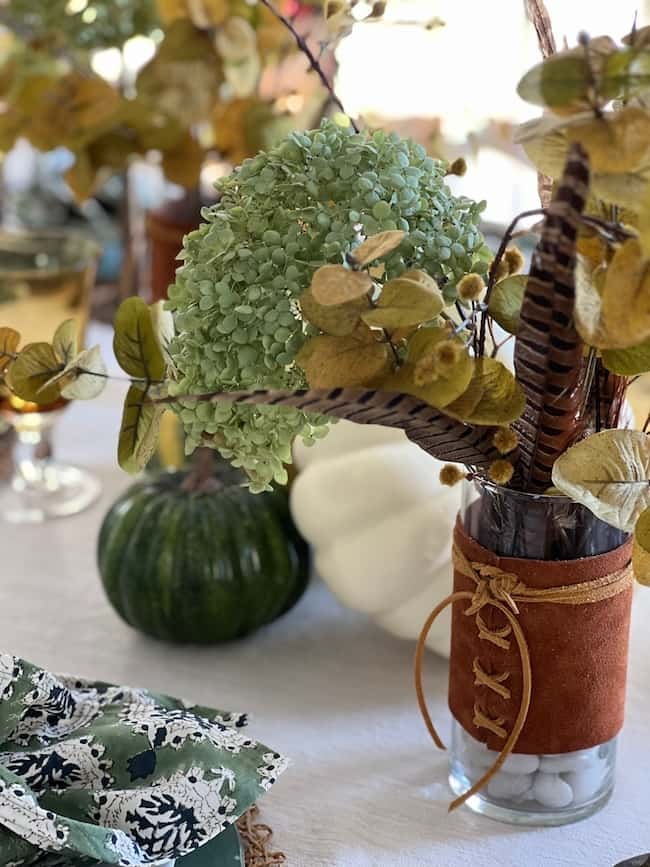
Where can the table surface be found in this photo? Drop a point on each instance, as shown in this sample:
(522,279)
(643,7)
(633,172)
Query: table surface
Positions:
(323,685)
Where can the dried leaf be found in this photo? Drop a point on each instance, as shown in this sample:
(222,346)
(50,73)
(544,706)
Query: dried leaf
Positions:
(182,165)
(9,340)
(563,82)
(626,299)
(243,75)
(236,40)
(35,365)
(343,361)
(163,327)
(64,342)
(505,301)
(138,431)
(377,246)
(628,362)
(82,177)
(338,320)
(405,302)
(334,284)
(449,382)
(85,375)
(641,548)
(135,344)
(608,473)
(617,142)
(493,396)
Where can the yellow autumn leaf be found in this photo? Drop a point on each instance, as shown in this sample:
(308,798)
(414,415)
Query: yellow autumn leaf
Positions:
(34,367)
(617,142)
(9,340)
(447,382)
(64,342)
(337,320)
(138,431)
(493,396)
(377,246)
(335,284)
(626,298)
(506,300)
(341,362)
(135,342)
(405,302)
(236,41)
(641,548)
(182,165)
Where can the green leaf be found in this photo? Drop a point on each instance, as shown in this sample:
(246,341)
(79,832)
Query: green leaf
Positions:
(138,431)
(343,362)
(163,327)
(339,320)
(64,342)
(9,340)
(506,300)
(377,246)
(86,375)
(558,82)
(608,473)
(493,396)
(334,284)
(34,367)
(404,302)
(135,343)
(628,362)
(641,548)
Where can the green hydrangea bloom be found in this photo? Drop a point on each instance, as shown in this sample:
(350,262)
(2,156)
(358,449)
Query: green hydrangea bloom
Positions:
(306,202)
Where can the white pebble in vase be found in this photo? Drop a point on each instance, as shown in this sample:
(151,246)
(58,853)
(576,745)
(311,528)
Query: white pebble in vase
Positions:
(509,785)
(566,762)
(587,781)
(516,763)
(551,790)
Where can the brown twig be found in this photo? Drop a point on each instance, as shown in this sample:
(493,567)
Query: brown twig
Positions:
(311,57)
(495,267)
(541,20)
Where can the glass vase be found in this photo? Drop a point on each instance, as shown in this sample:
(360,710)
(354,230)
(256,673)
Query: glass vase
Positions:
(548,786)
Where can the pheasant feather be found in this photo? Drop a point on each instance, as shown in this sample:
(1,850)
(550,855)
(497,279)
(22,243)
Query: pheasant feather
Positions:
(548,350)
(438,434)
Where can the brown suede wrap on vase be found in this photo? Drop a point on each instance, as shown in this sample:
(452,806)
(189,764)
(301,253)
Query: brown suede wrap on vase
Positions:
(578,655)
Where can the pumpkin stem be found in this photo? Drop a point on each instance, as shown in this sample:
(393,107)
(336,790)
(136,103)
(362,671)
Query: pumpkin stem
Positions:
(201,478)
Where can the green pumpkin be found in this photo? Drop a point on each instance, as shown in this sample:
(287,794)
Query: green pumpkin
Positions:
(201,567)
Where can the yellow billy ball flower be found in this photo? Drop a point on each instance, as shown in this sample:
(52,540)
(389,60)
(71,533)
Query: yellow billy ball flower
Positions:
(500,472)
(470,287)
(425,370)
(447,354)
(458,167)
(514,259)
(450,475)
(505,440)
(503,270)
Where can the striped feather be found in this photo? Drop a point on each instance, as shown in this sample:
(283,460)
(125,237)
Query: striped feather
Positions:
(439,435)
(548,350)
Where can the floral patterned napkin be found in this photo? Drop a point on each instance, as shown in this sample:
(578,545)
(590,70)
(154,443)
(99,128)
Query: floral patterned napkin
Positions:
(123,776)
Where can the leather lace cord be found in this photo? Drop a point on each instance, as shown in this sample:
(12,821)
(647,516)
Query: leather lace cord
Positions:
(503,591)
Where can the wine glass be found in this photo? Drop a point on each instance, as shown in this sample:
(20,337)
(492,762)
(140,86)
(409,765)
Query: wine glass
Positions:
(45,278)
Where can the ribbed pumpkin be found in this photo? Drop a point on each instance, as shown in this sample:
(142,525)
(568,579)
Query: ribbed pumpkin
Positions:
(200,566)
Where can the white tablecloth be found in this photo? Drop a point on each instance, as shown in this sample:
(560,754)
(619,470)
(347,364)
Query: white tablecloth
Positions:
(323,685)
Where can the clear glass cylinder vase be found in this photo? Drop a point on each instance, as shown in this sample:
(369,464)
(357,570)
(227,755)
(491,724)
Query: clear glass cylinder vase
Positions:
(541,788)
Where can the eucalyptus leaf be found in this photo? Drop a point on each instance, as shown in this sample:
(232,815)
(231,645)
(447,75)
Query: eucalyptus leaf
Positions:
(337,320)
(560,82)
(138,431)
(628,362)
(64,342)
(404,302)
(87,375)
(493,396)
(334,284)
(9,340)
(342,362)
(608,473)
(641,548)
(35,365)
(505,301)
(135,343)
(163,327)
(377,246)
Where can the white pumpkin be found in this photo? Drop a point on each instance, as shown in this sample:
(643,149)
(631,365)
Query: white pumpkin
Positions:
(380,523)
